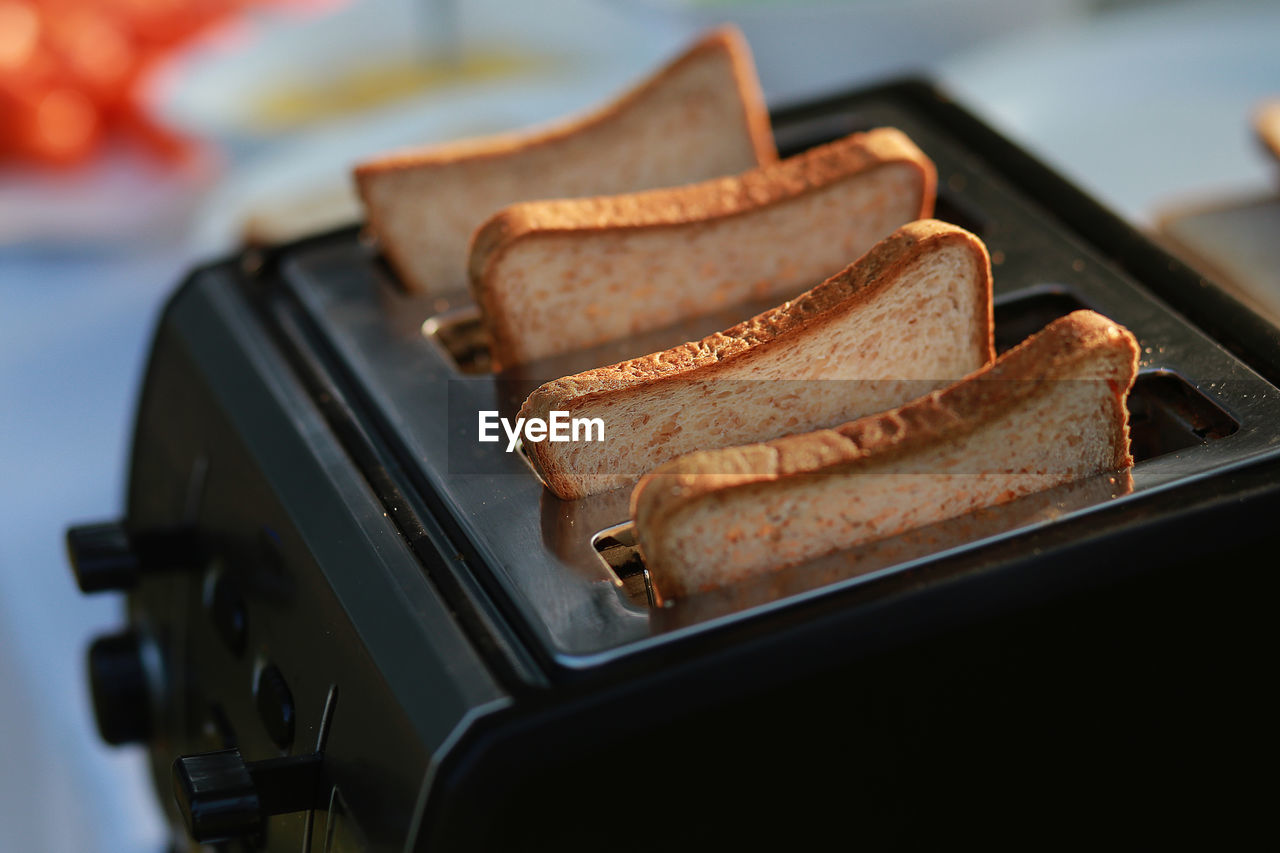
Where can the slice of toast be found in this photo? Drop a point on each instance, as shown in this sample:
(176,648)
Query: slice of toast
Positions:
(700,116)
(1049,411)
(911,315)
(554,276)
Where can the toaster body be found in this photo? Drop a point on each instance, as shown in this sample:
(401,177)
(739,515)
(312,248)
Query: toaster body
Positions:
(346,631)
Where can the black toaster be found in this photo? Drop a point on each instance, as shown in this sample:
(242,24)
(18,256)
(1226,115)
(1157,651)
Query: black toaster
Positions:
(353,627)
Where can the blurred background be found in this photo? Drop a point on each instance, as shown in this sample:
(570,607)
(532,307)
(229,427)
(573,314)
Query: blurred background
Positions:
(139,137)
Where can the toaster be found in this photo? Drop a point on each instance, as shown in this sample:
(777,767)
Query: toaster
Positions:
(353,627)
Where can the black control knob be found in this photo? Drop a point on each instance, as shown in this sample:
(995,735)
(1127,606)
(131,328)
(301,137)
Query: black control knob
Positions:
(102,556)
(121,692)
(222,797)
(108,556)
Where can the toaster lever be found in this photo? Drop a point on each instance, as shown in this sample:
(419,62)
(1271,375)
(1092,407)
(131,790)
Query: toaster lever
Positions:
(222,797)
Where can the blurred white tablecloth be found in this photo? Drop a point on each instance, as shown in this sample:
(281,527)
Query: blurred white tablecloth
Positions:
(73,333)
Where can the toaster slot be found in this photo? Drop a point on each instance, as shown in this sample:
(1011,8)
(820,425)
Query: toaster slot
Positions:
(461,334)
(1023,313)
(799,135)
(951,206)
(616,546)
(1168,414)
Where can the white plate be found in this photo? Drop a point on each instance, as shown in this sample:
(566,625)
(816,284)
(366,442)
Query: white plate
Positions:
(224,89)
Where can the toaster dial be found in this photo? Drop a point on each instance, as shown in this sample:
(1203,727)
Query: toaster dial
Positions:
(120,681)
(107,556)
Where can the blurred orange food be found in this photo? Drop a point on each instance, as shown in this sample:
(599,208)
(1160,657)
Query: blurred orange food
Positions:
(71,71)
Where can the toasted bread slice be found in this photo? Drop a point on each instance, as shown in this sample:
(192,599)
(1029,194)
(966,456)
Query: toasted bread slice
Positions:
(554,276)
(911,315)
(700,116)
(1049,411)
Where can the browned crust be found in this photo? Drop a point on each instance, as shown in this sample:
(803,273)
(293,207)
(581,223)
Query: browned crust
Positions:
(725,39)
(847,289)
(1029,369)
(809,313)
(731,195)
(677,207)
